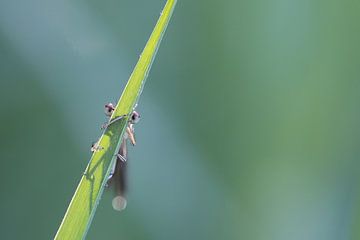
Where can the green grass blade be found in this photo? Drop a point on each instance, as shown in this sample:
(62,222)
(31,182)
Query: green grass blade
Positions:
(83,205)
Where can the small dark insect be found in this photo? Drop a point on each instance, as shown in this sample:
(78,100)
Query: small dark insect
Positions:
(117,177)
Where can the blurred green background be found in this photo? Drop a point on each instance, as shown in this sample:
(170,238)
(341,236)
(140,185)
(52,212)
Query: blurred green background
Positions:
(250,117)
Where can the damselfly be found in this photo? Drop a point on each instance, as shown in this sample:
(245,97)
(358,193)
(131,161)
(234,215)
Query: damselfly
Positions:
(117,177)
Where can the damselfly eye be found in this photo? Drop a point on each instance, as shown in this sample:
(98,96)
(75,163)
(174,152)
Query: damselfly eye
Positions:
(109,108)
(135,117)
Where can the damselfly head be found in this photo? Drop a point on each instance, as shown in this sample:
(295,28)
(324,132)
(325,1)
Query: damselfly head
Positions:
(135,117)
(109,109)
